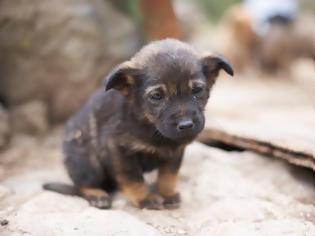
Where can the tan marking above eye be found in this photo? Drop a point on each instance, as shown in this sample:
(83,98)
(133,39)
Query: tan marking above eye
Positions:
(154,87)
(195,83)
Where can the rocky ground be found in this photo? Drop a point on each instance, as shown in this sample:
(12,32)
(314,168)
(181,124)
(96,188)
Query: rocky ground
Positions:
(224,193)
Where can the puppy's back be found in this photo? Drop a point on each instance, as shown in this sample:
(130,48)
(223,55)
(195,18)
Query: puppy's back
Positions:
(102,107)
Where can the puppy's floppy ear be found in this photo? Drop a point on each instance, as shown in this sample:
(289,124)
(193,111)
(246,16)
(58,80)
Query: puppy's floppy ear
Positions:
(212,64)
(122,78)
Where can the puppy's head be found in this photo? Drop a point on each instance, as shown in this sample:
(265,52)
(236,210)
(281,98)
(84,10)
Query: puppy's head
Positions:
(167,84)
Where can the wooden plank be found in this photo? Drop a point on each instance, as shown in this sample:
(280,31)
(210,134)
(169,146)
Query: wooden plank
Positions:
(294,157)
(272,117)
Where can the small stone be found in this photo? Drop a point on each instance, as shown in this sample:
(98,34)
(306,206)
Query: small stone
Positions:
(4,222)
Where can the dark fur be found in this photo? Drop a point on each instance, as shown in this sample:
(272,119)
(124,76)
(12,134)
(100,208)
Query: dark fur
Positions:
(124,131)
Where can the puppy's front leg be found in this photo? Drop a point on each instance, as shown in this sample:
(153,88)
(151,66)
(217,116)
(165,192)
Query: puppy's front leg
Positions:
(167,180)
(131,182)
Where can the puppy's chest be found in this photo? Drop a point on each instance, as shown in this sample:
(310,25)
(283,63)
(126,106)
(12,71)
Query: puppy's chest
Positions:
(148,162)
(148,149)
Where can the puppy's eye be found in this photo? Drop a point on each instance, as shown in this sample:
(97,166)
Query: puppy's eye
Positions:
(156,96)
(197,89)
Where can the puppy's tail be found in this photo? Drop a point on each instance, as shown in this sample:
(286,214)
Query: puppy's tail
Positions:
(65,189)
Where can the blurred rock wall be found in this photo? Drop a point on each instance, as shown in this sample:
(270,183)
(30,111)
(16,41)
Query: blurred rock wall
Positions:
(53,54)
(56,52)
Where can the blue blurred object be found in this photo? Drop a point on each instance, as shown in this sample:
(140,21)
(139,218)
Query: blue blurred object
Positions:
(265,12)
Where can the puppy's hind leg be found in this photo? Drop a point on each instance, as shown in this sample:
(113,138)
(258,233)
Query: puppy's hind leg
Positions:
(95,196)
(89,171)
(90,180)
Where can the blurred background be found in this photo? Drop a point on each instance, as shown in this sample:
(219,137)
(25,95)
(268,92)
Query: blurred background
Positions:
(54,54)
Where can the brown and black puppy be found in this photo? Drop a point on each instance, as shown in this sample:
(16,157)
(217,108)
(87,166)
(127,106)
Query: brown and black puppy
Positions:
(151,108)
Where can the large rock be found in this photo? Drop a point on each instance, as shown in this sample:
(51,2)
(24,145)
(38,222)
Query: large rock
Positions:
(74,218)
(223,193)
(29,118)
(58,51)
(4,127)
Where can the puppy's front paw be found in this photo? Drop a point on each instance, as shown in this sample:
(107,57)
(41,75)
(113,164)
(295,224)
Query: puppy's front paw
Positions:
(96,197)
(101,202)
(172,202)
(153,202)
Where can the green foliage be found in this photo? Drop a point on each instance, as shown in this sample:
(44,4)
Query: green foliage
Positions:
(308,5)
(215,8)
(129,7)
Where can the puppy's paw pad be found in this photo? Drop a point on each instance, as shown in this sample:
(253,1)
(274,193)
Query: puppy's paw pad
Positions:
(172,202)
(153,202)
(103,202)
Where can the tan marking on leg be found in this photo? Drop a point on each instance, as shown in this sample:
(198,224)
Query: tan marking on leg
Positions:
(134,191)
(167,181)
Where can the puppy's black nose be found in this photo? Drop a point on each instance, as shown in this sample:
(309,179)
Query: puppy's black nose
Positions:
(185,124)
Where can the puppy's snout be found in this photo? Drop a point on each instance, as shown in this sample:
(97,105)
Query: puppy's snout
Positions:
(185,125)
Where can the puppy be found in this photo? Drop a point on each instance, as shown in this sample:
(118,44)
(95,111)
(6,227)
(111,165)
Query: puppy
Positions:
(152,106)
